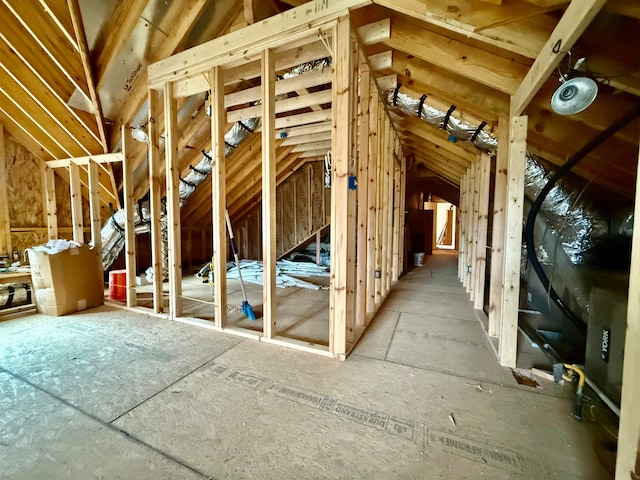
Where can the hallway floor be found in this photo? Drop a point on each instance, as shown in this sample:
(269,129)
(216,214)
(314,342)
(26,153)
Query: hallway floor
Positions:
(108,394)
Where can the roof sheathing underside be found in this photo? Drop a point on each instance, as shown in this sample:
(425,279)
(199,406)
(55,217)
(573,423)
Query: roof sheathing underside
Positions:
(472,55)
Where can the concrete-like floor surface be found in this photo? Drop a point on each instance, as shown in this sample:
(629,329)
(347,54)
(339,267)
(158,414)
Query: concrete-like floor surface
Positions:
(108,394)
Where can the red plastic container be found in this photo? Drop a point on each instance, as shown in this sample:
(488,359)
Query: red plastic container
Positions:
(118,285)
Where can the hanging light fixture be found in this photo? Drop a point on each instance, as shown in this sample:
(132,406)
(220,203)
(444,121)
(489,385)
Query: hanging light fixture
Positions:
(574,95)
(140,134)
(576,91)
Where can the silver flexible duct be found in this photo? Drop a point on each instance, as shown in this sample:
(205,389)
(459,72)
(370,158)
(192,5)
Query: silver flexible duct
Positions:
(568,213)
(113,231)
(458,129)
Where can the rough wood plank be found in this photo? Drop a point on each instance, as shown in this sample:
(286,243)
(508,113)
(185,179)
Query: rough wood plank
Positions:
(284,86)
(341,293)
(375,32)
(498,233)
(475,64)
(471,199)
(395,264)
(629,433)
(130,224)
(94,207)
(173,202)
(379,204)
(363,194)
(281,106)
(381,61)
(155,192)
(269,193)
(462,214)
(507,347)
(389,134)
(403,195)
(483,218)
(474,16)
(218,196)
(474,228)
(76,202)
(371,139)
(50,202)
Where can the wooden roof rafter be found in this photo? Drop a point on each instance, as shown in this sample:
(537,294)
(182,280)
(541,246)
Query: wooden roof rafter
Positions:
(83,48)
(64,55)
(35,71)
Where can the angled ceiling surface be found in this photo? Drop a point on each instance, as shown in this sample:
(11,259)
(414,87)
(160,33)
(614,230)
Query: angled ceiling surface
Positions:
(73,74)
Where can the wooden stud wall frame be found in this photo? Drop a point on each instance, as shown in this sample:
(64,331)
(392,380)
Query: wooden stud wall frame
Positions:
(502,324)
(356,127)
(90,178)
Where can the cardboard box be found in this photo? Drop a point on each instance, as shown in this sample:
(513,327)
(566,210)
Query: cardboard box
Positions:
(68,281)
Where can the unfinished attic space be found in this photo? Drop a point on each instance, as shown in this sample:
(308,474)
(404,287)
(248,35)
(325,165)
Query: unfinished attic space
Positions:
(320,239)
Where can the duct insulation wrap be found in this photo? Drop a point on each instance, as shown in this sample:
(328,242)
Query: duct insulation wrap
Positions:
(568,212)
(457,128)
(113,230)
(236,134)
(112,234)
(579,245)
(15,294)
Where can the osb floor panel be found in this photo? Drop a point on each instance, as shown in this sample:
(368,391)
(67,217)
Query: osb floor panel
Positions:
(302,314)
(109,394)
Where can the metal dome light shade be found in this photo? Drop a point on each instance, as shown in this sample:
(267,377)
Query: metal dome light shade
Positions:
(140,134)
(574,95)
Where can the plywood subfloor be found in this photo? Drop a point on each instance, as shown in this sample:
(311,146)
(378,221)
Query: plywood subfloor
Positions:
(301,314)
(112,394)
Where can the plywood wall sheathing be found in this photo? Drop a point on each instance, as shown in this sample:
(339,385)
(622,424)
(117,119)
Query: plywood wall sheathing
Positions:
(5,221)
(302,225)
